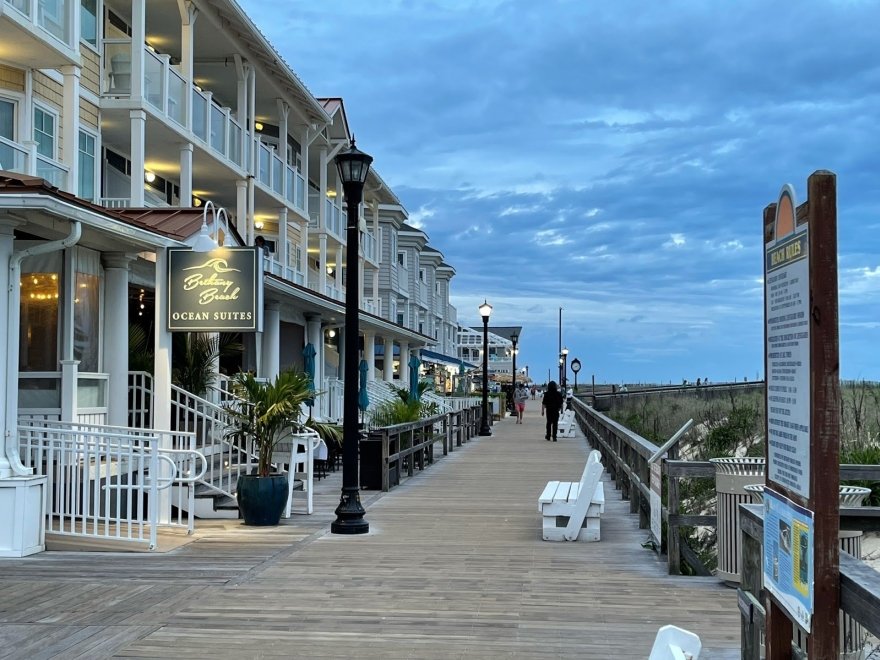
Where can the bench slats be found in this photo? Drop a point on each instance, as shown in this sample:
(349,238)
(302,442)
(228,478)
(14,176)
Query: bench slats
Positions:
(568,515)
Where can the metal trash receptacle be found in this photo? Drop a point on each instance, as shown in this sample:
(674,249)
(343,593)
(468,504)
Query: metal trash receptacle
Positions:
(732,475)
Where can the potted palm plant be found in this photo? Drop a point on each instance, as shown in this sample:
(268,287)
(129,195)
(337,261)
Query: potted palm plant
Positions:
(265,414)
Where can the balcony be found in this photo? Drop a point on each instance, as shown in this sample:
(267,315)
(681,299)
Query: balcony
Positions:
(15,157)
(334,292)
(38,33)
(451,315)
(373,306)
(423,293)
(282,179)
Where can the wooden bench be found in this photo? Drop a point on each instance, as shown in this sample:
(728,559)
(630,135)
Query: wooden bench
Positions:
(571,509)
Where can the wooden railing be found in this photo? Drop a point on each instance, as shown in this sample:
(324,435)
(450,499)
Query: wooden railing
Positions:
(394,453)
(625,456)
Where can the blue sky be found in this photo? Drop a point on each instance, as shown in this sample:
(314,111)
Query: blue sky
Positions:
(612,159)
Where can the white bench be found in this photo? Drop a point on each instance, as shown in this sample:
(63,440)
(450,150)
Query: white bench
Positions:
(571,509)
(567,424)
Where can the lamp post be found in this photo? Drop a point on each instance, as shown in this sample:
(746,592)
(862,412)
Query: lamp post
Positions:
(485,312)
(564,367)
(560,370)
(353,166)
(575,367)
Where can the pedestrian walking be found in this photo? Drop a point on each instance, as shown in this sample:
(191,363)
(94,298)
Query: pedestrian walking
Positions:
(551,404)
(520,396)
(534,392)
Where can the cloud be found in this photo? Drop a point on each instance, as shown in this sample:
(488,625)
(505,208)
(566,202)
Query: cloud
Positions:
(675,241)
(417,218)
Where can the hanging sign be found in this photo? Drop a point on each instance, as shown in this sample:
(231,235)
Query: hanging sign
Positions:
(216,291)
(787,346)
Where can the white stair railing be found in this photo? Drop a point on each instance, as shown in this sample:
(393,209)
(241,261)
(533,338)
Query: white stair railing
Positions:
(104,482)
(140,399)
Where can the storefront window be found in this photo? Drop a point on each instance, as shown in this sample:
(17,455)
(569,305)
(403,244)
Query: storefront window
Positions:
(38,338)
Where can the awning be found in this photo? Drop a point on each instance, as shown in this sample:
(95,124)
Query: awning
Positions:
(439,358)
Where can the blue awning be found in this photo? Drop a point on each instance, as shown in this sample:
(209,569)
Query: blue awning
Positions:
(439,358)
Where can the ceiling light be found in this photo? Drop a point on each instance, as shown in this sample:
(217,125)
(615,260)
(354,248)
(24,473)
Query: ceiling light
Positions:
(149,177)
(258,126)
(258,224)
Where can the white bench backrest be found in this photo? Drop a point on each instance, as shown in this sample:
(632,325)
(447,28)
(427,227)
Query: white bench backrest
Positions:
(591,476)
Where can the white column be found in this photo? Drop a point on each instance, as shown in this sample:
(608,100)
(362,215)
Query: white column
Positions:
(404,363)
(188,14)
(70,127)
(186,174)
(315,337)
(283,112)
(8,361)
(138,43)
(322,263)
(271,348)
(162,375)
(370,354)
(388,368)
(252,109)
(116,267)
(241,189)
(337,275)
(69,376)
(281,251)
(138,156)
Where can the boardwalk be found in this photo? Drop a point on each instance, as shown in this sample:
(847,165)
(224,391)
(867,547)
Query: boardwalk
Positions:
(453,568)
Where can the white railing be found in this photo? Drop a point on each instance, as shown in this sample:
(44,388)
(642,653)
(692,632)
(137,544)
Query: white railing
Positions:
(54,173)
(209,423)
(115,202)
(373,306)
(13,157)
(368,243)
(333,291)
(423,293)
(330,401)
(287,272)
(103,482)
(24,6)
(334,218)
(140,399)
(432,397)
(54,16)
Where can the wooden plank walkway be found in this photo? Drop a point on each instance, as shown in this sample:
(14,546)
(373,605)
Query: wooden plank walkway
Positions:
(453,567)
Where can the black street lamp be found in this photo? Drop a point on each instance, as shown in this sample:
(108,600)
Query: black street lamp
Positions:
(575,367)
(485,312)
(564,367)
(353,166)
(514,338)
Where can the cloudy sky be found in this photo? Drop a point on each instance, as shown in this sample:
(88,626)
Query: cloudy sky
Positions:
(613,159)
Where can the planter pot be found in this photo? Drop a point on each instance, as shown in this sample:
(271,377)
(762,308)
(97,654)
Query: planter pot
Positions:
(261,500)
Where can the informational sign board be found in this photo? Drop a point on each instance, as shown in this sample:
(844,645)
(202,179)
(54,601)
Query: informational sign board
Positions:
(788,556)
(656,502)
(787,300)
(216,291)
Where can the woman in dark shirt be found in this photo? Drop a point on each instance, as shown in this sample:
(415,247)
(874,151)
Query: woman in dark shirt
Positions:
(552,404)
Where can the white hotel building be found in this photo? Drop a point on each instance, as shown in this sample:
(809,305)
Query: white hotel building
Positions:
(119,121)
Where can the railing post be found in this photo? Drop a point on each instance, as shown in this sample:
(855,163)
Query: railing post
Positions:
(672,535)
(386,468)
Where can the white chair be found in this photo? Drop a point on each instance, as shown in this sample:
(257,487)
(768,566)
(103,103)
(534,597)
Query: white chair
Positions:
(674,643)
(298,454)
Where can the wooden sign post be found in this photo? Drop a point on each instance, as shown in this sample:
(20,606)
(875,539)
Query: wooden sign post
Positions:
(801,366)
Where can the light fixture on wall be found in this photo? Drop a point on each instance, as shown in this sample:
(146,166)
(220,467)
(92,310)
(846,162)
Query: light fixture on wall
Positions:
(149,177)
(205,241)
(331,271)
(258,126)
(197,202)
(331,333)
(258,224)
(331,192)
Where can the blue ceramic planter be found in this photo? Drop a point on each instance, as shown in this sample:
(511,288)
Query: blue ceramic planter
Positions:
(261,500)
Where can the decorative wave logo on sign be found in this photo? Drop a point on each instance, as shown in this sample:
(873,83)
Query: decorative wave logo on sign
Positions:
(209,276)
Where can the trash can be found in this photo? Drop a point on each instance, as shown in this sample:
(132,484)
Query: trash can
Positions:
(732,475)
(852,635)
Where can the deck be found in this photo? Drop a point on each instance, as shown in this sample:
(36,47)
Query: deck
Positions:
(453,567)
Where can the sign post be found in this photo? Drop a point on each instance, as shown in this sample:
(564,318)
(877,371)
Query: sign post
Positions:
(801,517)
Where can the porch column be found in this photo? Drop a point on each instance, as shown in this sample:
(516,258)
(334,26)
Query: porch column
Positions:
(188,13)
(241,187)
(388,368)
(404,363)
(271,364)
(337,278)
(70,127)
(162,376)
(138,43)
(69,376)
(138,120)
(116,266)
(315,338)
(322,263)
(186,174)
(8,361)
(281,255)
(370,354)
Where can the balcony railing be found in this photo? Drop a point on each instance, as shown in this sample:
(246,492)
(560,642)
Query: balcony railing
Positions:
(54,173)
(368,242)
(373,306)
(287,272)
(53,16)
(13,157)
(423,293)
(334,291)
(334,219)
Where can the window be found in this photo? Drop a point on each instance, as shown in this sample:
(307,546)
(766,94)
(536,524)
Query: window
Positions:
(10,157)
(423,276)
(7,119)
(40,279)
(87,164)
(44,132)
(401,259)
(87,309)
(88,21)
(400,318)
